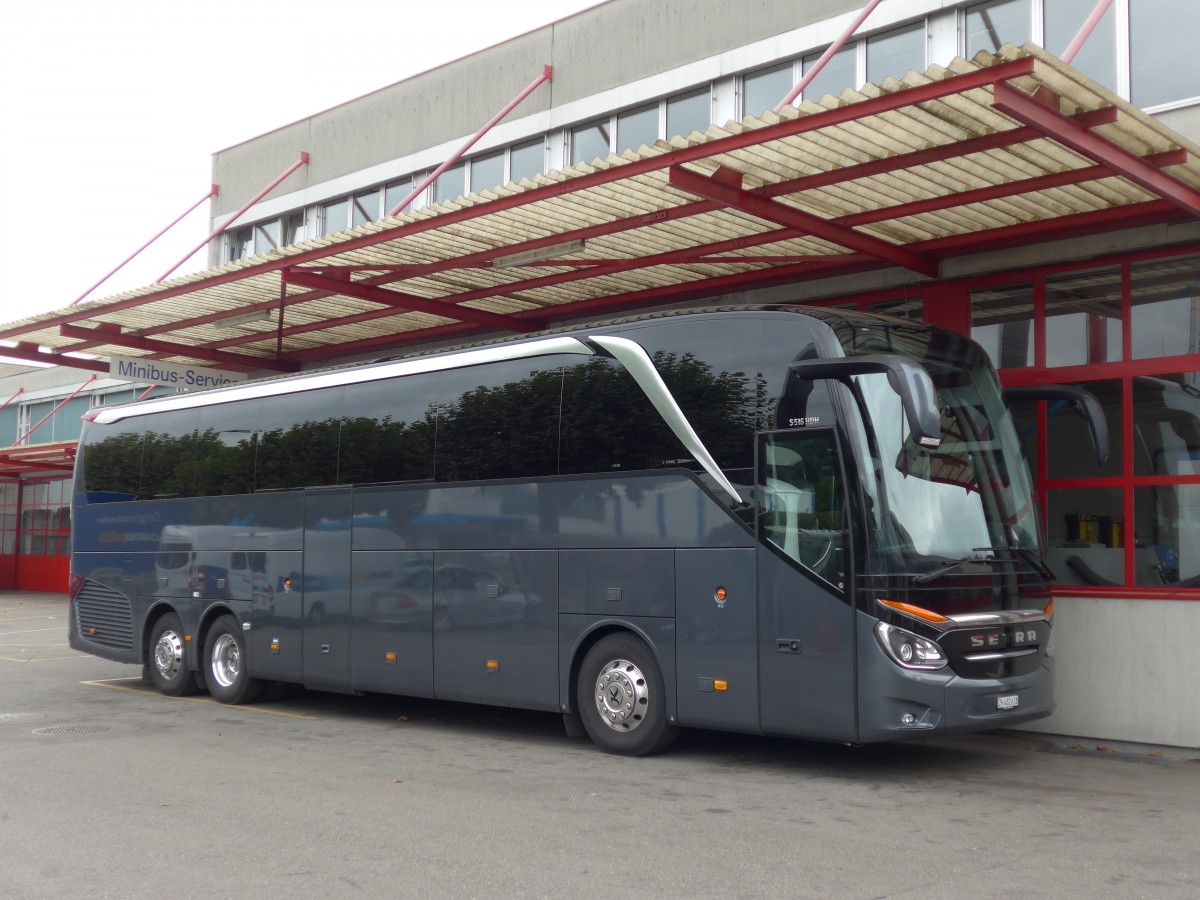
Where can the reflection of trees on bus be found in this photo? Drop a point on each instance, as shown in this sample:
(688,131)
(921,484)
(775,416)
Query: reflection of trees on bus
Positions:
(586,417)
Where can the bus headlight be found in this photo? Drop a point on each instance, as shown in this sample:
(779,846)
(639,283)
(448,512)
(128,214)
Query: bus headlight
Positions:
(907,649)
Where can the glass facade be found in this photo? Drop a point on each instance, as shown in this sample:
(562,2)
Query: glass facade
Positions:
(1129,333)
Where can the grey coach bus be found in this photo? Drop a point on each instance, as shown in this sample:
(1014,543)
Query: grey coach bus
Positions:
(776,520)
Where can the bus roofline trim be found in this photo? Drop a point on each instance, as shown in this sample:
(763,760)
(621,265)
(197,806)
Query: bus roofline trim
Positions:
(351,375)
(637,362)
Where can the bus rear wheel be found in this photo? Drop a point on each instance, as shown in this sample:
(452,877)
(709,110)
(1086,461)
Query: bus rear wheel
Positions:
(168,658)
(226,672)
(622,698)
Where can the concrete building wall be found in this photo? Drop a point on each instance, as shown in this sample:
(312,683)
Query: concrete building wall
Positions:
(1127,671)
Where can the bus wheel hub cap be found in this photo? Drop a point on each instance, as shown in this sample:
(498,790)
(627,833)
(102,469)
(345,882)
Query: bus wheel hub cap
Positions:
(622,696)
(168,654)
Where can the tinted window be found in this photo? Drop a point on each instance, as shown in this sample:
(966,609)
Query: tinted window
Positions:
(729,376)
(499,420)
(168,455)
(112,461)
(387,431)
(225,449)
(609,425)
(298,440)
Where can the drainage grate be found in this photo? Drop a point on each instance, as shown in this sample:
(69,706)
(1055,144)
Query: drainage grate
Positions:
(57,730)
(5,718)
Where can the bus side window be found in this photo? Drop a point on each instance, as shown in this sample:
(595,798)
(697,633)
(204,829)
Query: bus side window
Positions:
(802,495)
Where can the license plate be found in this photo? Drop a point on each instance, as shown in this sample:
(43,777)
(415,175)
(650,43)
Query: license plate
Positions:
(1008,701)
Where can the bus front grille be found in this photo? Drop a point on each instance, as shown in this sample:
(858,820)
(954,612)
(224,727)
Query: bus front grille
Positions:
(104,616)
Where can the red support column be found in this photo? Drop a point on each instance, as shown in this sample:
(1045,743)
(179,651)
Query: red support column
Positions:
(948,306)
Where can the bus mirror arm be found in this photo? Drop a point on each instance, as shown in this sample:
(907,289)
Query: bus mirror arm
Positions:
(917,393)
(1084,401)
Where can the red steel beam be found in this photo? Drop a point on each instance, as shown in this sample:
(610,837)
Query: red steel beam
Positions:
(27,354)
(444,307)
(235,360)
(1021,106)
(763,208)
(681,291)
(46,418)
(547,75)
(302,161)
(19,392)
(873,106)
(700,255)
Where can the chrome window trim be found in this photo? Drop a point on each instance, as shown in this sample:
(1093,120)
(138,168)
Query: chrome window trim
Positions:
(637,362)
(340,377)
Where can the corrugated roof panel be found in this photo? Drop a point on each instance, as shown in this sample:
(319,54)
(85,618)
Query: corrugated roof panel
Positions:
(650,237)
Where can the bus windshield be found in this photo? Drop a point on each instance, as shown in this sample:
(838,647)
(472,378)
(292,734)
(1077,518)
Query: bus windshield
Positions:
(970,499)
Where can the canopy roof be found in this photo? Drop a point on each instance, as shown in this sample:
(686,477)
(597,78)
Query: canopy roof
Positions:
(1004,150)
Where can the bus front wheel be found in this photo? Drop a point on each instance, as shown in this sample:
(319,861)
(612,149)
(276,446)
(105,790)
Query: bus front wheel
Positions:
(168,658)
(227,675)
(622,699)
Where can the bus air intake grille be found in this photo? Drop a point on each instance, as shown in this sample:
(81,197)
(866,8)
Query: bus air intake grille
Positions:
(104,616)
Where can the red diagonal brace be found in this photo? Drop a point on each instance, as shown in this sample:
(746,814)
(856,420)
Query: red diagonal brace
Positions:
(1070,134)
(406,301)
(239,360)
(771,211)
(46,418)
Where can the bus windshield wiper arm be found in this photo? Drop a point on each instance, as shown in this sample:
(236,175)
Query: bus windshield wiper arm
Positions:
(1029,555)
(952,565)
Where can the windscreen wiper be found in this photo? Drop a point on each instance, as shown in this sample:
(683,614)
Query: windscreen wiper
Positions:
(1031,556)
(952,565)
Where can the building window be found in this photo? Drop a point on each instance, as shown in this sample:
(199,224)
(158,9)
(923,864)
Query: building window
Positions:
(294,233)
(1164,66)
(24,418)
(396,191)
(989,26)
(590,141)
(241,244)
(527,160)
(450,184)
(46,517)
(689,112)
(487,171)
(896,53)
(9,493)
(1097,58)
(1128,332)
(762,90)
(636,127)
(364,207)
(335,216)
(266,236)
(839,73)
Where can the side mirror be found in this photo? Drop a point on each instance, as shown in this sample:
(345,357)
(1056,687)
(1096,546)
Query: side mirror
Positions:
(1084,401)
(917,393)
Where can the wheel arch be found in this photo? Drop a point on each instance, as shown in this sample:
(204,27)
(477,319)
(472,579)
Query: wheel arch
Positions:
(157,610)
(657,634)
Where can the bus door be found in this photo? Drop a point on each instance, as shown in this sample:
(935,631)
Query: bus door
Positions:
(806,625)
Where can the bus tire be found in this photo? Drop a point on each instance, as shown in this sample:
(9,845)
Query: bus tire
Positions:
(226,668)
(622,698)
(168,658)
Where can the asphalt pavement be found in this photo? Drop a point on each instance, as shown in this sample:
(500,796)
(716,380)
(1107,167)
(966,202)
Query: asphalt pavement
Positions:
(108,789)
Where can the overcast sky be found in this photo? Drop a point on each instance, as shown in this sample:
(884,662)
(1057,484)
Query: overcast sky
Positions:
(111,111)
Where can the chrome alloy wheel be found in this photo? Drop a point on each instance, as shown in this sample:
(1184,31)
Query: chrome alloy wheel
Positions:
(226,660)
(622,695)
(168,654)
